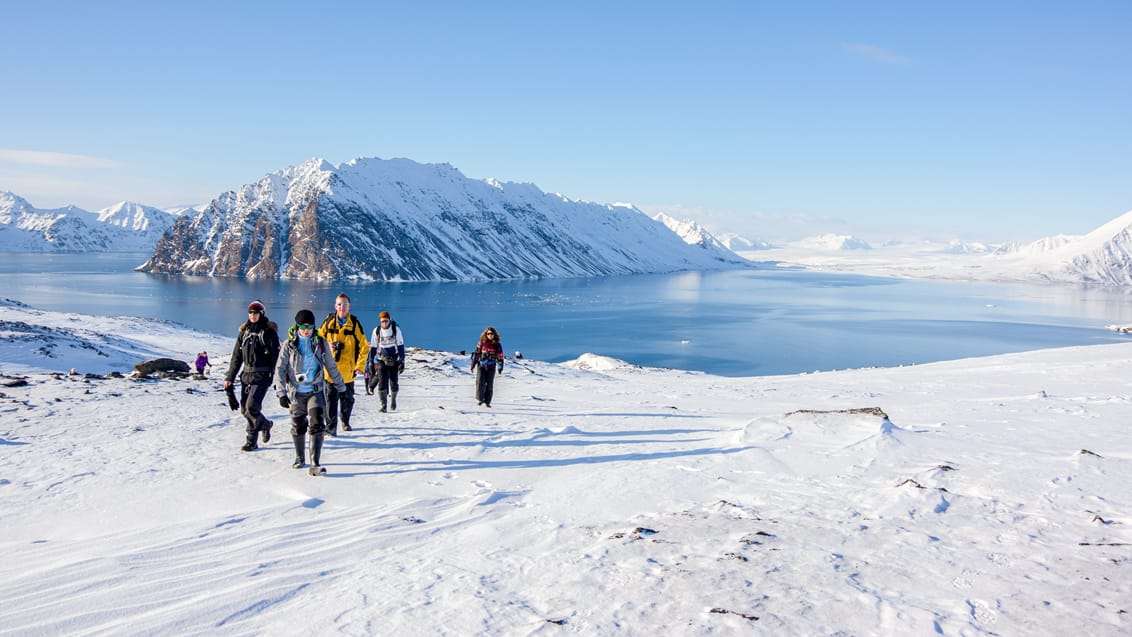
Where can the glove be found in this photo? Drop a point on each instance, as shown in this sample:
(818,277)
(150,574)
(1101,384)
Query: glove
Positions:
(473,366)
(232,402)
(284,402)
(499,370)
(400,366)
(341,389)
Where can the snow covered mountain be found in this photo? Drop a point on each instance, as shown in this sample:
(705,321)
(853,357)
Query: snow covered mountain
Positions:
(694,234)
(123,227)
(398,220)
(1102,256)
(737,243)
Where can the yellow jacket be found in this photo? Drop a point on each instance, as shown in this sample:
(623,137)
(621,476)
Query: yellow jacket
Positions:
(348,342)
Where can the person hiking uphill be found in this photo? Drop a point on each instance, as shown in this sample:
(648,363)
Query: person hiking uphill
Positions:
(386,361)
(347,339)
(487,361)
(253,358)
(301,387)
(201,362)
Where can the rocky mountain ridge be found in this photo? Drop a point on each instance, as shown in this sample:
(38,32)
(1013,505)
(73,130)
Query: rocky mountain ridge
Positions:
(399,220)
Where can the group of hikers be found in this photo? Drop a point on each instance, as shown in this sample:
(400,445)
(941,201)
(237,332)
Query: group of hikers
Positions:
(314,369)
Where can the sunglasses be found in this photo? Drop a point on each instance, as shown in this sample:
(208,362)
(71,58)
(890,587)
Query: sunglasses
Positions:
(341,305)
(254,312)
(305,326)
(384,320)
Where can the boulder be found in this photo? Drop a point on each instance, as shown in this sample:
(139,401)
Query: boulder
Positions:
(169,365)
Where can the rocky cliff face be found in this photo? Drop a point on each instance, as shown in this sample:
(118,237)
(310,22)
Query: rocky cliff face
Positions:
(397,220)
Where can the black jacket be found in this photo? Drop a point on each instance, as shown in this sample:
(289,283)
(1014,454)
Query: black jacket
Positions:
(256,351)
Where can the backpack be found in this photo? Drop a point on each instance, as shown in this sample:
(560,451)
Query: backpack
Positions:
(332,319)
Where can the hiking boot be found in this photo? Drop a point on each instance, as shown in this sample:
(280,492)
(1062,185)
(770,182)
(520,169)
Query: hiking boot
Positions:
(300,452)
(393,401)
(316,455)
(347,427)
(316,449)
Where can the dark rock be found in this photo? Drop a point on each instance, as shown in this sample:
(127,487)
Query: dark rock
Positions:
(145,368)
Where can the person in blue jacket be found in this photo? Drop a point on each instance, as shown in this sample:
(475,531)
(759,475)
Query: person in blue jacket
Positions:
(301,387)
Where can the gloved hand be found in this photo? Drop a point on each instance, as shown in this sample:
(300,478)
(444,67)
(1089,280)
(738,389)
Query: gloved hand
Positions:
(232,402)
(499,370)
(474,366)
(284,402)
(341,388)
(400,366)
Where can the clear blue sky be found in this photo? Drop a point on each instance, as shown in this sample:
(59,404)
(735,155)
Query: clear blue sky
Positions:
(995,121)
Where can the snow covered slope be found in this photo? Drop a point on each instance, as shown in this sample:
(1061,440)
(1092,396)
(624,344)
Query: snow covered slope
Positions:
(976,497)
(1102,256)
(694,234)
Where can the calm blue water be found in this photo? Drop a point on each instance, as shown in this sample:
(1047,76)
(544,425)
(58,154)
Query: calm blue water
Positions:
(737,323)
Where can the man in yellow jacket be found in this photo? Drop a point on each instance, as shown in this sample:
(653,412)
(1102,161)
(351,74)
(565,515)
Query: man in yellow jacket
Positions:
(347,339)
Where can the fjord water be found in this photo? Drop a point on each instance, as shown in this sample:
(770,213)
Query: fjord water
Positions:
(735,323)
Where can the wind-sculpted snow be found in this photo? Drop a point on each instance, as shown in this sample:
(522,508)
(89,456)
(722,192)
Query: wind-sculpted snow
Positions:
(984,496)
(397,220)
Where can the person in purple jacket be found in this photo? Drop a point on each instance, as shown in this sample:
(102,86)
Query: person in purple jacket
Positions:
(202,362)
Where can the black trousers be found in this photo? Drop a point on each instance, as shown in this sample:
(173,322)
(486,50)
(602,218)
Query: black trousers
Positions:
(334,398)
(485,383)
(387,377)
(251,405)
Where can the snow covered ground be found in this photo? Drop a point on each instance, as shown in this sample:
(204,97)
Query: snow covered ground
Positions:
(904,261)
(982,496)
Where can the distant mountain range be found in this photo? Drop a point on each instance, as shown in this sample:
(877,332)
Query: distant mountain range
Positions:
(832,242)
(123,227)
(399,220)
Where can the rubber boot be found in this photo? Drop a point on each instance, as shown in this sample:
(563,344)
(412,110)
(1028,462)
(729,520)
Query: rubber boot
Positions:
(392,401)
(316,455)
(300,452)
(250,444)
(384,395)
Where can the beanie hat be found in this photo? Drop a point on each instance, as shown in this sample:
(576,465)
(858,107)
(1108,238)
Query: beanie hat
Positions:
(383,315)
(256,305)
(304,317)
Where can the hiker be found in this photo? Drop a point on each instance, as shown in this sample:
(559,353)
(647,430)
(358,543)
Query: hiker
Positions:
(202,362)
(386,361)
(305,360)
(347,339)
(253,358)
(487,361)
